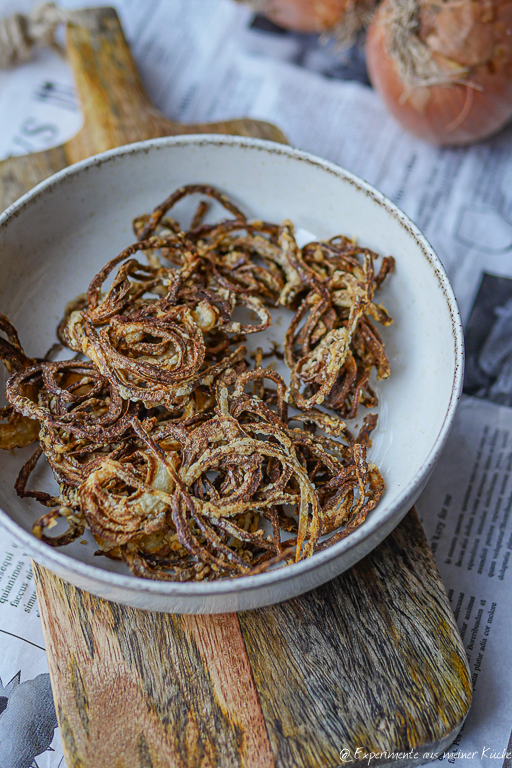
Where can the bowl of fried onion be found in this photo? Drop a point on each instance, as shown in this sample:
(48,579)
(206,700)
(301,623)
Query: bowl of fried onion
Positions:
(229,370)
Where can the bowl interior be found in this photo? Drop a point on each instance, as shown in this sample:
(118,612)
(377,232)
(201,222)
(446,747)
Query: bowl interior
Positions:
(53,244)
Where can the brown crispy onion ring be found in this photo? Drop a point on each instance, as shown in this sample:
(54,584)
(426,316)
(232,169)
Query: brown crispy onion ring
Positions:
(182,461)
(180,193)
(47,521)
(74,397)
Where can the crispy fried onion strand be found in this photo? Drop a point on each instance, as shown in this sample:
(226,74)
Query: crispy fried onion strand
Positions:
(16,430)
(184,462)
(331,345)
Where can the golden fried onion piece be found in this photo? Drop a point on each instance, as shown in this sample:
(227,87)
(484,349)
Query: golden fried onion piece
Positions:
(18,430)
(331,345)
(123,499)
(184,462)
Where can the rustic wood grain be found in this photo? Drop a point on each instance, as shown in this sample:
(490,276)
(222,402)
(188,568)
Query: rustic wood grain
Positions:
(115,106)
(223,653)
(135,688)
(371,660)
(19,174)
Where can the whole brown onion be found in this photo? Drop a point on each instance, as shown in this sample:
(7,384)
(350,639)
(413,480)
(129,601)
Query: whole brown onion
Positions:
(345,17)
(444,67)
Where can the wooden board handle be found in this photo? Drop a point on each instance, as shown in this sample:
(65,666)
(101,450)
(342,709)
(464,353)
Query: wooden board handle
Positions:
(115,105)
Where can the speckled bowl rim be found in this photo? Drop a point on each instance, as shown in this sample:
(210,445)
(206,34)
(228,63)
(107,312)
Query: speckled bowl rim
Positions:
(62,562)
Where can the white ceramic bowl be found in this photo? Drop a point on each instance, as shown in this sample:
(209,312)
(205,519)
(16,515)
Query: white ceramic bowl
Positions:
(57,236)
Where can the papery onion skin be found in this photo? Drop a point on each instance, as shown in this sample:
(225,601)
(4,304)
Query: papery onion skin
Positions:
(305,15)
(473,37)
(344,18)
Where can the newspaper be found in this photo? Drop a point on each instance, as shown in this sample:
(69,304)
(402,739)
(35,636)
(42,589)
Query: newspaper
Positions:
(207,60)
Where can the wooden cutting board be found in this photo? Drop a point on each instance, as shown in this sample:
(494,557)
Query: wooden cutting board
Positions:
(371,662)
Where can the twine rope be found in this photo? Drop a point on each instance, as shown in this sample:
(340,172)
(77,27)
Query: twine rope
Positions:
(20,34)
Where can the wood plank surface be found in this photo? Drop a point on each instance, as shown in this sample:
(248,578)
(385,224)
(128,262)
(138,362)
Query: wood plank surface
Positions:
(19,174)
(135,688)
(116,108)
(372,660)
